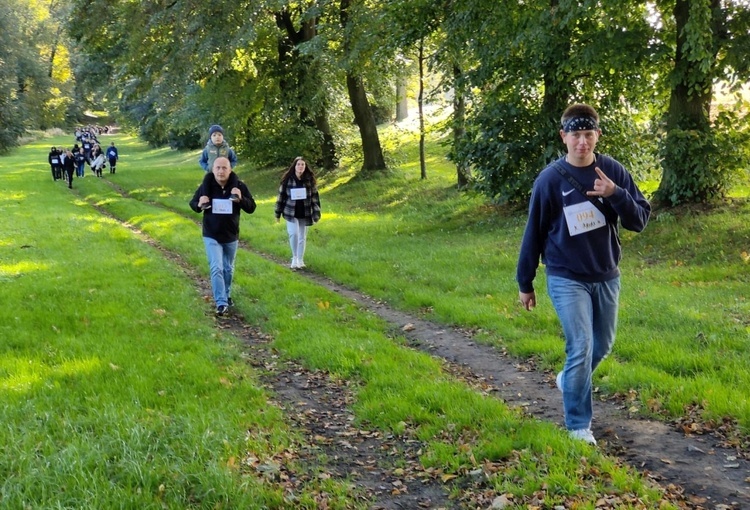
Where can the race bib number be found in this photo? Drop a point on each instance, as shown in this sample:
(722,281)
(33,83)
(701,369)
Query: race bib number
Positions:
(111,154)
(583,217)
(299,193)
(221,206)
(55,161)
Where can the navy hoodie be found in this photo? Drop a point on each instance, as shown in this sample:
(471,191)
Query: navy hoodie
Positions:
(592,256)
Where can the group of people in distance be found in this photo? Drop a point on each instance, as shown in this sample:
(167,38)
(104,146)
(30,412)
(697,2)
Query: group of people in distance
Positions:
(577,204)
(222,195)
(64,162)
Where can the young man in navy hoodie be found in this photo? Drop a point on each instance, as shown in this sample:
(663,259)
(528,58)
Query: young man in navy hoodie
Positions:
(576,204)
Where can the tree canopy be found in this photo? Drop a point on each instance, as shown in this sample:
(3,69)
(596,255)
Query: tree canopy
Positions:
(292,77)
(36,80)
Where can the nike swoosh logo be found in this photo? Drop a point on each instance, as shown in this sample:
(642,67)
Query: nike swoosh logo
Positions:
(566,193)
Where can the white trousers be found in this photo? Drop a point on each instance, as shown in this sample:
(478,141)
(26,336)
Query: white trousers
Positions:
(297,239)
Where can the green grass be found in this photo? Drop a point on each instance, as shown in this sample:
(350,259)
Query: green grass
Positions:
(426,248)
(115,374)
(116,393)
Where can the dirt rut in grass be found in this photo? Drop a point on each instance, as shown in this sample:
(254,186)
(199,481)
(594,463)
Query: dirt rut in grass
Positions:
(704,462)
(700,465)
(384,471)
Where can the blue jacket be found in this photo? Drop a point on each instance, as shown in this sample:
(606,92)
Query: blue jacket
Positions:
(211,152)
(592,256)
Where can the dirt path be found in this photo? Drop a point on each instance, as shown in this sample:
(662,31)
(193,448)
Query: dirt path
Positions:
(385,471)
(320,407)
(711,475)
(706,473)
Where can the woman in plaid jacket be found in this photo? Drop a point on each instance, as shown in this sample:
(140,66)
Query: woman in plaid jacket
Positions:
(299,203)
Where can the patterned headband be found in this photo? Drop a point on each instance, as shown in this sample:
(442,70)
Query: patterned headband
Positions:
(580,124)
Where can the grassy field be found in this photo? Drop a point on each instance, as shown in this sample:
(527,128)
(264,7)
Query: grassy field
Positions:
(121,392)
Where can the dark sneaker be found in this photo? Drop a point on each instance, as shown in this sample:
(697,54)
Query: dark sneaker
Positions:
(231,302)
(221,310)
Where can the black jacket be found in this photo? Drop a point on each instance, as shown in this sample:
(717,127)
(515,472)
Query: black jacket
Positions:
(69,164)
(224,228)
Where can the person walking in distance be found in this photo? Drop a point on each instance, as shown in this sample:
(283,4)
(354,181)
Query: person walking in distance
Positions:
(55,163)
(220,197)
(112,156)
(298,202)
(80,158)
(576,204)
(69,166)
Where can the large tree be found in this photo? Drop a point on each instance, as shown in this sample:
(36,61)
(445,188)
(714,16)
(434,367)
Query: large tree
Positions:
(700,153)
(258,67)
(11,122)
(528,62)
(36,85)
(352,15)
(300,80)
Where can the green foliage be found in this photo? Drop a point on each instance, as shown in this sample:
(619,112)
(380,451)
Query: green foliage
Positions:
(179,416)
(701,164)
(11,121)
(35,89)
(699,155)
(277,83)
(691,162)
(533,62)
(506,148)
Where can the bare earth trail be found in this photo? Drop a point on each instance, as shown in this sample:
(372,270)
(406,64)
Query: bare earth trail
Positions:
(711,476)
(320,408)
(708,475)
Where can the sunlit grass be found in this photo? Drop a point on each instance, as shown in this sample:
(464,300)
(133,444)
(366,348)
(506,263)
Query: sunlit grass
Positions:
(328,333)
(116,392)
(98,293)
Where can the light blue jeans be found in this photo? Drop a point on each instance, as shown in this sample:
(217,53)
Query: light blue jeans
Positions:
(297,231)
(221,265)
(588,315)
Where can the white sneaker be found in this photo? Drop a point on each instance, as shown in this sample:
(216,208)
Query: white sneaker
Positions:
(583,435)
(558,381)
(294,264)
(300,264)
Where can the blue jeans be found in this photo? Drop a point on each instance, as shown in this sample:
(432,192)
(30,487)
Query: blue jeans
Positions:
(221,265)
(588,315)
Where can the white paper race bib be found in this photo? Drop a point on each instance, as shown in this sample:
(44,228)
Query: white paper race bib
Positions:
(298,193)
(55,161)
(583,217)
(221,206)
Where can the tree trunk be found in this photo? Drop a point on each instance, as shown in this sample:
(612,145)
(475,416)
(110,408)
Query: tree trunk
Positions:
(689,164)
(685,107)
(459,130)
(329,159)
(365,120)
(287,48)
(363,116)
(402,107)
(557,88)
(53,53)
(420,102)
